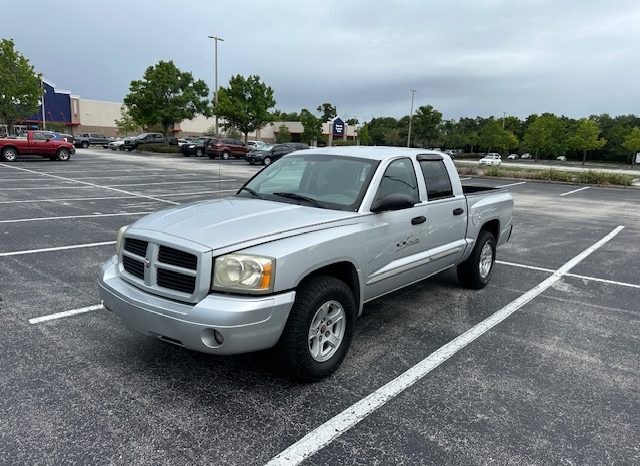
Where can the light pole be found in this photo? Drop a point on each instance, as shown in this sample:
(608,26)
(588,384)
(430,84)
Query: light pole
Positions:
(215,92)
(413,93)
(44,90)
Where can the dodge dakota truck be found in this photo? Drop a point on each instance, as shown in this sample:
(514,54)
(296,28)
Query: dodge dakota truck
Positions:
(42,143)
(289,261)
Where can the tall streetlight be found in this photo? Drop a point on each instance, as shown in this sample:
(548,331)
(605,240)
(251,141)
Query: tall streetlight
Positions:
(413,93)
(215,92)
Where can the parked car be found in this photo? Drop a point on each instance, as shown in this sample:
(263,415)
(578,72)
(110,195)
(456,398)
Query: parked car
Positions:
(268,153)
(196,146)
(142,139)
(290,260)
(85,140)
(562,158)
(512,156)
(182,142)
(297,145)
(490,159)
(118,144)
(42,143)
(225,148)
(255,144)
(526,155)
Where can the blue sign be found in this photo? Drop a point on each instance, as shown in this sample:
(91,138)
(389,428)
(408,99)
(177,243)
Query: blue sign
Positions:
(338,127)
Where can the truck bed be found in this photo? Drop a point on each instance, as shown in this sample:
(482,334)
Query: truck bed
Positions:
(471,190)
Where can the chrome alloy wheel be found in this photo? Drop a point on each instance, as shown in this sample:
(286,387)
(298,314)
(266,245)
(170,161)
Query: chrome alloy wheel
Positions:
(10,154)
(326,331)
(486,260)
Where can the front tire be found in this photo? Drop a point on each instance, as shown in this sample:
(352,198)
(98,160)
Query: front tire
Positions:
(9,154)
(225,155)
(84,144)
(198,152)
(476,271)
(267,161)
(319,329)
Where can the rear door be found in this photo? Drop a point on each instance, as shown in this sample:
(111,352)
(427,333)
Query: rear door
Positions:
(446,216)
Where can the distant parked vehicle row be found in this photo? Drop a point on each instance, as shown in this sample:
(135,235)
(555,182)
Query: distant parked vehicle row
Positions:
(85,140)
(269,153)
(142,139)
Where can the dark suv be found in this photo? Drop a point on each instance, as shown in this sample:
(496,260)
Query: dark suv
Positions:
(85,140)
(144,138)
(225,148)
(196,146)
(271,152)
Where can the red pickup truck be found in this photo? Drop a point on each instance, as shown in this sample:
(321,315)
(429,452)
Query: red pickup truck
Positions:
(42,143)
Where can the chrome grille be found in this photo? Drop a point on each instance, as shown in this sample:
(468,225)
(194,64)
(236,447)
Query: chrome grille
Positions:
(136,246)
(180,274)
(171,256)
(134,267)
(176,281)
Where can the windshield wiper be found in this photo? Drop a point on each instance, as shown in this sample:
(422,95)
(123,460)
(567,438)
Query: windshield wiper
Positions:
(250,191)
(300,197)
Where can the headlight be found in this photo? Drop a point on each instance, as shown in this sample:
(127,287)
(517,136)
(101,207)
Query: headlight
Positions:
(243,272)
(119,238)
(191,146)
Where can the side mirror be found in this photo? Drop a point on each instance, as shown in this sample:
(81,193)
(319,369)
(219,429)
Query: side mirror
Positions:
(395,201)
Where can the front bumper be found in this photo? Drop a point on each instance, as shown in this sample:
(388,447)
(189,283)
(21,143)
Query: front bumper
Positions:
(247,323)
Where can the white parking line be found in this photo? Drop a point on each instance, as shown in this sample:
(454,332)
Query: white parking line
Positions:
(173,182)
(511,184)
(339,424)
(37,219)
(92,184)
(60,315)
(58,248)
(21,201)
(532,267)
(575,191)
(29,188)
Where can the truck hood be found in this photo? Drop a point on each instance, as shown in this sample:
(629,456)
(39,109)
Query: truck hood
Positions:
(222,223)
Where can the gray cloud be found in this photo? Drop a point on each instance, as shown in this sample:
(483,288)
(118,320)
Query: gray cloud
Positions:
(465,58)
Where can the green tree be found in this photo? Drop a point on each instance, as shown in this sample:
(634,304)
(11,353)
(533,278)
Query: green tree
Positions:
(425,126)
(363,135)
(328,111)
(312,127)
(284,135)
(245,104)
(508,140)
(378,128)
(586,138)
(20,86)
(491,134)
(352,121)
(546,134)
(125,123)
(632,142)
(165,96)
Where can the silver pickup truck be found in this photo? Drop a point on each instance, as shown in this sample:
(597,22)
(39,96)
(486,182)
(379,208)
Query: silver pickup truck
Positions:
(290,260)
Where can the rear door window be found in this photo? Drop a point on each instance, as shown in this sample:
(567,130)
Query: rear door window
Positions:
(436,177)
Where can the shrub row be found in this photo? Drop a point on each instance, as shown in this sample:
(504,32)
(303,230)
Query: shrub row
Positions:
(585,177)
(160,148)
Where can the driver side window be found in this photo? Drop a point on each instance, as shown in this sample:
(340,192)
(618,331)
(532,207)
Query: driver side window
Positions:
(399,178)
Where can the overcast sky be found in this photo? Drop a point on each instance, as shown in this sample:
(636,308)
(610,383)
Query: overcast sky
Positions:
(466,58)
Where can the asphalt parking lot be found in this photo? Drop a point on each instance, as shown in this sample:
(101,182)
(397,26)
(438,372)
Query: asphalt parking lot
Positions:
(556,381)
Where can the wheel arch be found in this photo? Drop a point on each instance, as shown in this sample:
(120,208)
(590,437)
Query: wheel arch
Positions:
(344,271)
(493,227)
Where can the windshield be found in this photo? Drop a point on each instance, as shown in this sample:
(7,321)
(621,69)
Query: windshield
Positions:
(318,180)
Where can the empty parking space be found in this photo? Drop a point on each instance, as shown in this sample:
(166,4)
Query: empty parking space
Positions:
(555,379)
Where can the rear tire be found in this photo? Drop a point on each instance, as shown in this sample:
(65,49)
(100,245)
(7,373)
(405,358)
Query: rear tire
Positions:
(9,154)
(198,152)
(63,155)
(476,271)
(267,161)
(225,155)
(84,144)
(319,329)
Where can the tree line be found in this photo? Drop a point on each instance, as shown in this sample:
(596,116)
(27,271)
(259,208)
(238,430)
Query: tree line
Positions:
(167,95)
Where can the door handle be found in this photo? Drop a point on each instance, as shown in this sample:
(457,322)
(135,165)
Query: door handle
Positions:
(458,211)
(418,220)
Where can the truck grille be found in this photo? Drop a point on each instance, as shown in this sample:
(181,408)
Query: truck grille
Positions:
(134,267)
(171,256)
(136,246)
(165,271)
(176,281)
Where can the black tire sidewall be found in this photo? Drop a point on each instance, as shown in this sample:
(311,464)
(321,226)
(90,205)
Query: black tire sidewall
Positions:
(294,345)
(468,271)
